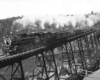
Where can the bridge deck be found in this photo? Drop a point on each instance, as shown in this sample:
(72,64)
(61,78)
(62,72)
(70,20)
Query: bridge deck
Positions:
(94,76)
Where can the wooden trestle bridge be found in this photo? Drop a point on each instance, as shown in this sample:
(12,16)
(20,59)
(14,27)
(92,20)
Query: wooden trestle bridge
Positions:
(79,56)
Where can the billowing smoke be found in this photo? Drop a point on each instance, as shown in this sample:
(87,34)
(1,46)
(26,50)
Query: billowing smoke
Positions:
(55,23)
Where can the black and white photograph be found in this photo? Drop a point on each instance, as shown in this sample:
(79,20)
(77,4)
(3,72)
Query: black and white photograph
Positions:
(49,39)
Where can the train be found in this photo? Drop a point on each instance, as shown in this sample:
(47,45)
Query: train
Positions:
(19,43)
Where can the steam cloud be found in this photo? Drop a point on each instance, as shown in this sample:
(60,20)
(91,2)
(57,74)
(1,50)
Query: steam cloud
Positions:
(56,22)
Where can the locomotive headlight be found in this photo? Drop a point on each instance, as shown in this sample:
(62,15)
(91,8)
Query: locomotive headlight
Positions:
(7,41)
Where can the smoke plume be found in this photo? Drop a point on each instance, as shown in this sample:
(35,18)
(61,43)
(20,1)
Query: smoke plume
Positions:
(55,23)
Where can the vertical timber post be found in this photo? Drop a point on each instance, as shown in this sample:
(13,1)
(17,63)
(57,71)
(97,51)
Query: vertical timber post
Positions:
(22,71)
(68,58)
(87,45)
(80,53)
(81,46)
(55,65)
(73,58)
(47,78)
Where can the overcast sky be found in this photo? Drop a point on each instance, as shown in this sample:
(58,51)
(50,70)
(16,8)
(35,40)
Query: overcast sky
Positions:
(9,8)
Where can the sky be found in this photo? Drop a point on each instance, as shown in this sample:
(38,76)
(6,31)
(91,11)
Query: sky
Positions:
(10,8)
